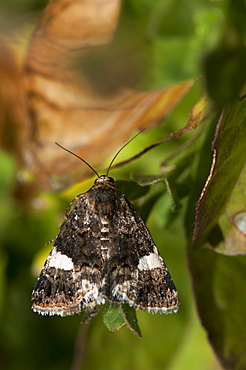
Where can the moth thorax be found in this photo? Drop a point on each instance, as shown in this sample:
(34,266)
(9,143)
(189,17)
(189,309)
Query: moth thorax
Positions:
(103,179)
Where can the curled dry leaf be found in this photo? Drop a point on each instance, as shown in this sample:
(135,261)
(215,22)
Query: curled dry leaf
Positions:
(62,105)
(197,113)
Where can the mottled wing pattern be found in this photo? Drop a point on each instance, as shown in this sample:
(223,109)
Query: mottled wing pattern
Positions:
(71,277)
(104,252)
(137,274)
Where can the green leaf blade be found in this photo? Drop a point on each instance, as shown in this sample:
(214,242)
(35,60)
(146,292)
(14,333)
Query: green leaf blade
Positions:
(130,318)
(113,318)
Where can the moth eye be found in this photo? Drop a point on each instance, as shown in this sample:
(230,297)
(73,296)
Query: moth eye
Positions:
(110,179)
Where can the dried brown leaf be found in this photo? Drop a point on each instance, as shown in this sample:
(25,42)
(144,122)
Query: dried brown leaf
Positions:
(11,109)
(63,106)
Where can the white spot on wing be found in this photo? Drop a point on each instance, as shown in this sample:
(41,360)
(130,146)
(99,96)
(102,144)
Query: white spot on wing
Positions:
(90,294)
(120,292)
(152,261)
(60,261)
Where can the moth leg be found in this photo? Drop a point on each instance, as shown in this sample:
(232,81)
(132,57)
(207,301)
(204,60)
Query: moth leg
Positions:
(90,315)
(50,241)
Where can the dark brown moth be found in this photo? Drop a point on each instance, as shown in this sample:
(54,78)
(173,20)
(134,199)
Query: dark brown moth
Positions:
(103,252)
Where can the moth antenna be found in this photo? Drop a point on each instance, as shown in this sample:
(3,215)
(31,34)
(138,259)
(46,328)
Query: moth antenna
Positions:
(134,137)
(69,151)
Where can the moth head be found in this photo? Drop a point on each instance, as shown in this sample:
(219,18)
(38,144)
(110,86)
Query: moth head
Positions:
(102,179)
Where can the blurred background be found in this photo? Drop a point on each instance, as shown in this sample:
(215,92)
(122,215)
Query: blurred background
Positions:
(156,44)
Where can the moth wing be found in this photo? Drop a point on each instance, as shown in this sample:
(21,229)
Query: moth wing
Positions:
(71,277)
(138,274)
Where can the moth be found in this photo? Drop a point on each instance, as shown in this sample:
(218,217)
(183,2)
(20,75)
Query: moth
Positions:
(103,252)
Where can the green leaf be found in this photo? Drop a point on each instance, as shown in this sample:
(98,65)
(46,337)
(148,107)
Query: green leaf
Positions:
(117,316)
(219,280)
(146,206)
(232,220)
(224,194)
(224,66)
(219,284)
(113,318)
(130,318)
(131,189)
(225,73)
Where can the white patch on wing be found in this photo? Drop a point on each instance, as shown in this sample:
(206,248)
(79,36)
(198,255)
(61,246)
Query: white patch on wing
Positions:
(90,294)
(120,292)
(100,299)
(60,261)
(155,250)
(152,261)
